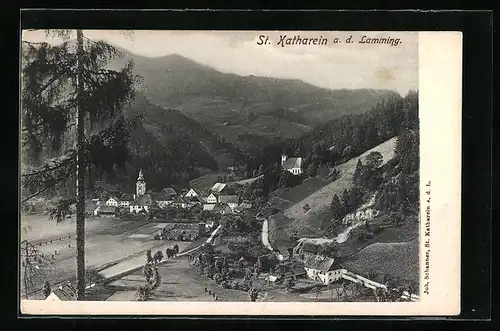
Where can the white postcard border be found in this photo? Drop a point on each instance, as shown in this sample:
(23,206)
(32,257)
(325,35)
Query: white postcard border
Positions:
(440,89)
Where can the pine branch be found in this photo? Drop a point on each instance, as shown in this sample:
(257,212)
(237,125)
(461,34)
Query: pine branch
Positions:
(33,42)
(37,193)
(53,80)
(63,164)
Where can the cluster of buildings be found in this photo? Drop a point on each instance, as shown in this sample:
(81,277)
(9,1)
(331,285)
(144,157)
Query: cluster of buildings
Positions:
(220,199)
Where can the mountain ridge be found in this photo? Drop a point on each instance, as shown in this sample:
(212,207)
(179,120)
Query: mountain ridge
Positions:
(221,100)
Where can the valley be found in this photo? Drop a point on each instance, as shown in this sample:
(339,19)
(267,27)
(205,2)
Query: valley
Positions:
(269,189)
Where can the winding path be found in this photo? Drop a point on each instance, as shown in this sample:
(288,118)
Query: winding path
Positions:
(265,235)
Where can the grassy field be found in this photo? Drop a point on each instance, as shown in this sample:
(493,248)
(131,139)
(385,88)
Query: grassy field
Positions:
(38,227)
(180,282)
(300,192)
(104,244)
(320,200)
(183,282)
(247,181)
(399,260)
(206,181)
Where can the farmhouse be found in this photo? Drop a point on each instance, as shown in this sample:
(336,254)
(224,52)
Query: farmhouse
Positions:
(63,293)
(191,193)
(212,198)
(193,200)
(107,211)
(141,203)
(161,199)
(209,206)
(222,208)
(170,192)
(221,188)
(179,202)
(243,206)
(287,270)
(231,200)
(322,269)
(113,201)
(292,165)
(125,200)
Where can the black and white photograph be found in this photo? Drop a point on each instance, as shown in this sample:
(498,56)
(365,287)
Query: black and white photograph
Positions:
(221,166)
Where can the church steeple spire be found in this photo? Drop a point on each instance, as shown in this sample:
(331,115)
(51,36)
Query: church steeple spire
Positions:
(141,184)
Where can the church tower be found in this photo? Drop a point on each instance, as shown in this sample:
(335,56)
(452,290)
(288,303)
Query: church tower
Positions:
(140,185)
(283,158)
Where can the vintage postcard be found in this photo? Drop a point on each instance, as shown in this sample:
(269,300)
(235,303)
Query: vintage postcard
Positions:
(240,172)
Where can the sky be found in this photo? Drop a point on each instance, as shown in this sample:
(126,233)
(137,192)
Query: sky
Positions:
(335,65)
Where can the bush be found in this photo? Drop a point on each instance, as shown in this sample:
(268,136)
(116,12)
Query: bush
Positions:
(219,278)
(208,271)
(143,293)
(158,257)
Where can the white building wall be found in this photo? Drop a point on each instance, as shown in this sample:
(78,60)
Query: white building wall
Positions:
(295,171)
(324,277)
(191,193)
(112,202)
(136,208)
(211,199)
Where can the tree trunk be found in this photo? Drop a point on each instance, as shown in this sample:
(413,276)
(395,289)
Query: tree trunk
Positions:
(80,176)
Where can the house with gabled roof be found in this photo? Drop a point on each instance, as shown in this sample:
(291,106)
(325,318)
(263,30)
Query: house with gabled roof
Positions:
(191,193)
(292,164)
(243,206)
(231,200)
(193,200)
(65,292)
(222,208)
(169,191)
(125,200)
(212,198)
(161,199)
(209,206)
(113,201)
(107,211)
(220,188)
(179,202)
(321,268)
(141,203)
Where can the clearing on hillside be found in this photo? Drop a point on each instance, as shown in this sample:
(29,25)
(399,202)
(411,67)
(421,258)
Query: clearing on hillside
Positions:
(247,181)
(320,200)
(299,192)
(398,260)
(206,181)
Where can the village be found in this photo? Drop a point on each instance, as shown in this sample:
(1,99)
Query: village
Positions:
(182,182)
(219,243)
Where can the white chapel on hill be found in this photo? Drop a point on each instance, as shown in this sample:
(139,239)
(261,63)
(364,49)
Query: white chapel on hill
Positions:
(292,164)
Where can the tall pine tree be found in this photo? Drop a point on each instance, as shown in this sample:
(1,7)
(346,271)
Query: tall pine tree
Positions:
(66,91)
(337,208)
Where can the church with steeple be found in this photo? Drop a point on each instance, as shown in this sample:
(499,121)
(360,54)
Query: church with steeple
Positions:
(142,201)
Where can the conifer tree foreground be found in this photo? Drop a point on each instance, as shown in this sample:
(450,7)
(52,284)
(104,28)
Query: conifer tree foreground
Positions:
(68,96)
